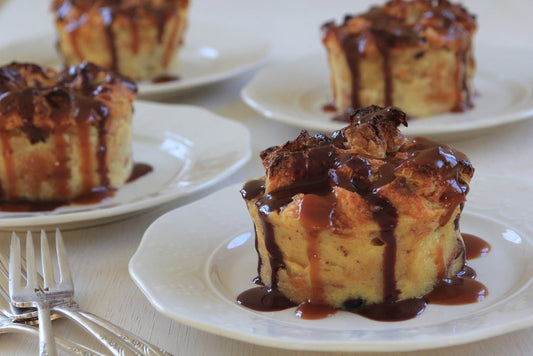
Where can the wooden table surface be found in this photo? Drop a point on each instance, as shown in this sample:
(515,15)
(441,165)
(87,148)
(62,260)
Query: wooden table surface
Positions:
(100,254)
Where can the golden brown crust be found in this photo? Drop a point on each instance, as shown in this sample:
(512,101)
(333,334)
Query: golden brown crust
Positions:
(38,100)
(410,23)
(136,38)
(434,170)
(363,214)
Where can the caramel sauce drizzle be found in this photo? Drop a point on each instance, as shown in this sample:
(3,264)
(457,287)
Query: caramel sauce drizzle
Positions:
(86,166)
(475,246)
(62,172)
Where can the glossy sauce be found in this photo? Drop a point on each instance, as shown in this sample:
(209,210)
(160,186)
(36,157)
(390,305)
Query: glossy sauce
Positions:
(475,246)
(139,170)
(397,311)
(312,311)
(329,107)
(458,290)
(165,78)
(264,299)
(320,168)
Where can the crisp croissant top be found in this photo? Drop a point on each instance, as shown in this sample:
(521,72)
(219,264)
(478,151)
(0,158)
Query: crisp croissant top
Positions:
(123,4)
(436,23)
(365,156)
(38,100)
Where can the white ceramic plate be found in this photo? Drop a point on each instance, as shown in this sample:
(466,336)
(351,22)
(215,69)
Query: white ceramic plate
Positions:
(189,149)
(211,53)
(194,278)
(294,93)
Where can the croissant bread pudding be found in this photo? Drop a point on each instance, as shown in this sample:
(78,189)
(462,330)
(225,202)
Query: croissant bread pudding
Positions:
(416,55)
(362,217)
(136,38)
(63,134)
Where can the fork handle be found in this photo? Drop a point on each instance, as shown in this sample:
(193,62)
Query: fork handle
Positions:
(110,335)
(47,343)
(70,347)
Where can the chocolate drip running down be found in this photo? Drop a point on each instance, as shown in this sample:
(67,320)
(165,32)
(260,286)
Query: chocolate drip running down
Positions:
(458,290)
(51,103)
(317,166)
(112,11)
(397,26)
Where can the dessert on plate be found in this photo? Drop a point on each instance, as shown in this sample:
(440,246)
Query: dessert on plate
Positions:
(362,217)
(136,38)
(63,134)
(416,55)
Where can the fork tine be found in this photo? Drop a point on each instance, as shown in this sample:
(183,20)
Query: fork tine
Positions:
(64,268)
(31,271)
(48,272)
(32,294)
(14,264)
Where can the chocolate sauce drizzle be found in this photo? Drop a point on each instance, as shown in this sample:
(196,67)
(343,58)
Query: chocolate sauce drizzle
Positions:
(110,11)
(458,290)
(49,104)
(389,29)
(322,164)
(165,78)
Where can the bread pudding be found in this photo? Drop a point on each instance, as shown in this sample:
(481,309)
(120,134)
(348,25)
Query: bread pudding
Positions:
(362,217)
(136,38)
(63,134)
(416,55)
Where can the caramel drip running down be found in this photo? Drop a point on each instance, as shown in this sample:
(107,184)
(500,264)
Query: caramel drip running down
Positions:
(387,74)
(353,53)
(315,215)
(86,166)
(62,171)
(107,17)
(463,100)
(101,154)
(475,246)
(135,35)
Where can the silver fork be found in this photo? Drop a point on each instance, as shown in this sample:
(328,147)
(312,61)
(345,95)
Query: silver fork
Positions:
(32,294)
(8,325)
(119,341)
(27,315)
